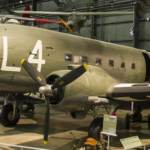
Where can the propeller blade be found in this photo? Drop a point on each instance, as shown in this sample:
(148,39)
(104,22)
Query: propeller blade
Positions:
(66,25)
(70,77)
(33,73)
(46,125)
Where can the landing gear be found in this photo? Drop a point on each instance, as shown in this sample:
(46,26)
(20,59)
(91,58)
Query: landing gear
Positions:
(136,117)
(149,121)
(96,125)
(95,132)
(95,129)
(10,112)
(29,107)
(127,121)
(7,117)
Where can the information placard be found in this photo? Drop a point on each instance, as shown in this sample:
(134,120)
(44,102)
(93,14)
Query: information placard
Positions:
(131,142)
(109,124)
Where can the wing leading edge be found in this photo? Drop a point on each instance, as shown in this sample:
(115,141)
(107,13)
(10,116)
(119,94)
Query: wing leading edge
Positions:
(129,90)
(75,13)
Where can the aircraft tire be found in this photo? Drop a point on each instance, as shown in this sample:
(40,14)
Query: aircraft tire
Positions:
(148,121)
(0,115)
(140,118)
(5,116)
(95,129)
(127,121)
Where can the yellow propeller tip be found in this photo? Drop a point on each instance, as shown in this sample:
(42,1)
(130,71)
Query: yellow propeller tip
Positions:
(22,61)
(45,142)
(85,66)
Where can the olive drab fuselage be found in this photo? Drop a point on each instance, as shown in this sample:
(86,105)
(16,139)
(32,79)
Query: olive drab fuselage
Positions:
(46,50)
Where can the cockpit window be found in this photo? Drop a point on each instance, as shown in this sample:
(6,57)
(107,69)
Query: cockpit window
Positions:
(133,66)
(68,57)
(98,61)
(111,63)
(84,59)
(122,65)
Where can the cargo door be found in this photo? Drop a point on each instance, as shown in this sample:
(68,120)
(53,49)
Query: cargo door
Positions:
(147,60)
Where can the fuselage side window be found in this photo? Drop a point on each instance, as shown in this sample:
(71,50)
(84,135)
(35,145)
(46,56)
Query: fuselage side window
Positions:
(111,63)
(84,59)
(98,61)
(68,57)
(133,66)
(122,65)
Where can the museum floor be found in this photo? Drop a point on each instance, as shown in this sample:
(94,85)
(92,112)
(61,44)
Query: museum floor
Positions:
(29,131)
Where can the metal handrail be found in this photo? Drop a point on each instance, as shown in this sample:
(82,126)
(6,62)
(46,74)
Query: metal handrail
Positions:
(23,147)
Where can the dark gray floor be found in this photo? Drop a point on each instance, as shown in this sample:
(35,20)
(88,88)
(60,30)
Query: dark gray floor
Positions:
(29,130)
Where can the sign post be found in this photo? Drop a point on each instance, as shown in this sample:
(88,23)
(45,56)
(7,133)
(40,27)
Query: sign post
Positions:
(109,127)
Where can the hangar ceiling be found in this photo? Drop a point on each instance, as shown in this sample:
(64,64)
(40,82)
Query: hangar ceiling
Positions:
(115,29)
(69,4)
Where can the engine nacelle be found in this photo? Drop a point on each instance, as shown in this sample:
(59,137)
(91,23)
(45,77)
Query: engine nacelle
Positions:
(78,114)
(74,97)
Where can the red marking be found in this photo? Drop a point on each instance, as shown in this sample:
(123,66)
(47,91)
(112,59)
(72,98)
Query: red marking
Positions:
(48,21)
(27,8)
(113,114)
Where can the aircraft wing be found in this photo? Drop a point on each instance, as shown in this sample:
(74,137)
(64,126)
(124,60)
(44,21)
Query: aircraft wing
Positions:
(129,90)
(75,13)
(43,13)
(29,19)
(104,13)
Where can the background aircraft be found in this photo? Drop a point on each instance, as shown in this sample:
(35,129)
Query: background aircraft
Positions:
(76,19)
(5,5)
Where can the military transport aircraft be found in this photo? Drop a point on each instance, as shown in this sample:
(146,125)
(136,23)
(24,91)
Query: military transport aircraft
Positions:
(76,20)
(74,73)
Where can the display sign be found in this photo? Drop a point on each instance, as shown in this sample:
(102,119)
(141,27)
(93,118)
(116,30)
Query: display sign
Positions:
(109,124)
(131,142)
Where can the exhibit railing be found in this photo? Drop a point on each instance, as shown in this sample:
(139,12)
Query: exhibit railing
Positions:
(23,147)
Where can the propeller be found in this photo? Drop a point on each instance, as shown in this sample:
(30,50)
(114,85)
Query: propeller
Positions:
(48,89)
(66,25)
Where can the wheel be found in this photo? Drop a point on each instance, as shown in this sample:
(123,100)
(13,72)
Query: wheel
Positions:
(149,121)
(0,115)
(127,121)
(95,129)
(148,147)
(140,119)
(6,116)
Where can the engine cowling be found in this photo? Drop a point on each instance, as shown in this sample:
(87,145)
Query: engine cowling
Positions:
(74,97)
(78,114)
